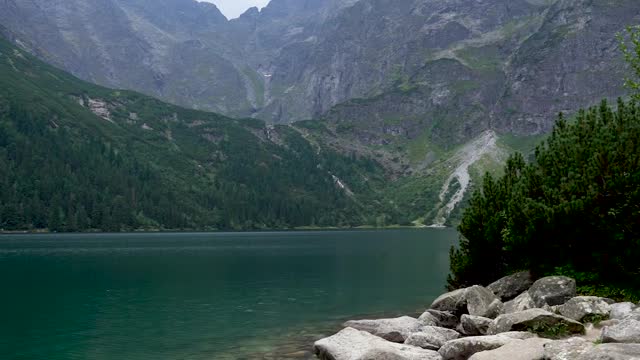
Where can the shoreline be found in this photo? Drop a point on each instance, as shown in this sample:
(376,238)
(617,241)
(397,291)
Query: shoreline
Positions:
(194,231)
(517,316)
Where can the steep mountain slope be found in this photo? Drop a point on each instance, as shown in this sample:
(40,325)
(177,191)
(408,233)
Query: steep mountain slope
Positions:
(512,78)
(468,66)
(75,156)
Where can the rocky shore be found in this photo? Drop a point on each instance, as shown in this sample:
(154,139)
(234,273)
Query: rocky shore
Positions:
(514,318)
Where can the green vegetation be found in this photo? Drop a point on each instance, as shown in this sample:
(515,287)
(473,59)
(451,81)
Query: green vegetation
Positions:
(594,319)
(257,83)
(484,59)
(573,210)
(79,157)
(633,58)
(555,331)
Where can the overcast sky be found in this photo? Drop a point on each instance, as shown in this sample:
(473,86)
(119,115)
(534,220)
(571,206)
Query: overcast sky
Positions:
(234,8)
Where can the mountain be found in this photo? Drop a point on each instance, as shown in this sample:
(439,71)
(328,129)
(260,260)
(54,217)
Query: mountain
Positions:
(76,156)
(462,67)
(411,100)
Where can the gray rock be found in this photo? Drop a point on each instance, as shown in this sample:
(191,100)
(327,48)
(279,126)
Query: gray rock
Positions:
(432,337)
(511,286)
(609,322)
(567,349)
(612,352)
(474,325)
(530,349)
(635,314)
(552,309)
(519,335)
(521,303)
(396,329)
(585,308)
(464,348)
(453,302)
(352,344)
(482,302)
(626,331)
(621,310)
(536,320)
(428,319)
(443,318)
(552,290)
(394,354)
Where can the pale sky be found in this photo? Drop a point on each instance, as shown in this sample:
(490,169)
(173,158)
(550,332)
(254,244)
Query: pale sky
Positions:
(234,8)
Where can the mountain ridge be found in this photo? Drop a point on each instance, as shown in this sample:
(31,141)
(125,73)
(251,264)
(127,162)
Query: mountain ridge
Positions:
(299,60)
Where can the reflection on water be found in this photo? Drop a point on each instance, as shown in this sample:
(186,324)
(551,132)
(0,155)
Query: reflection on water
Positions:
(207,296)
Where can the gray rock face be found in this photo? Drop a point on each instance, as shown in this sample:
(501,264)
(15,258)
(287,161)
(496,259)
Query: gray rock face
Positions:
(626,331)
(482,302)
(567,349)
(431,337)
(530,349)
(442,318)
(584,308)
(521,303)
(621,310)
(352,344)
(552,290)
(395,330)
(464,348)
(474,325)
(536,320)
(325,51)
(511,286)
(453,302)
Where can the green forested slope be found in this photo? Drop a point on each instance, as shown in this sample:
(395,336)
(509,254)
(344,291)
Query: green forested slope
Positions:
(74,156)
(574,210)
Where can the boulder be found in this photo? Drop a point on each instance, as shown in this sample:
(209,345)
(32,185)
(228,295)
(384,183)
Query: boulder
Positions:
(568,349)
(552,309)
(464,348)
(431,337)
(539,321)
(428,319)
(352,344)
(612,352)
(521,303)
(621,310)
(482,302)
(626,331)
(609,322)
(585,308)
(530,349)
(511,286)
(519,335)
(396,329)
(442,318)
(552,290)
(635,315)
(474,325)
(454,302)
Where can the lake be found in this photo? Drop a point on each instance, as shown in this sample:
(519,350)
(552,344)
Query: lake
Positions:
(196,296)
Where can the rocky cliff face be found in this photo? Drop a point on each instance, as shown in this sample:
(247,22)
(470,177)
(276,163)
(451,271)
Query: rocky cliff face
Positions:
(456,68)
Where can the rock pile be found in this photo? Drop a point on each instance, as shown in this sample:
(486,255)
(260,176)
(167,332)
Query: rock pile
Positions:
(514,318)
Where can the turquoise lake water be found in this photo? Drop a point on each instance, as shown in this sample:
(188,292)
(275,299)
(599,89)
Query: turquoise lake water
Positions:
(207,296)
